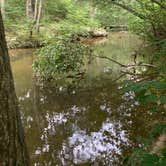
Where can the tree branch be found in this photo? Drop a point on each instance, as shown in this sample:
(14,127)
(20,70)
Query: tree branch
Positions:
(126,66)
(143,64)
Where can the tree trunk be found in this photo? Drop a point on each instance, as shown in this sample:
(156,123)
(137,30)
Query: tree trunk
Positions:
(36,16)
(39,16)
(30,8)
(12,144)
(36,10)
(92,10)
(2,4)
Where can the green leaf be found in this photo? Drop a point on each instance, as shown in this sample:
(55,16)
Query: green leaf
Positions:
(163,99)
(159,85)
(147,99)
(164,153)
(155,108)
(150,160)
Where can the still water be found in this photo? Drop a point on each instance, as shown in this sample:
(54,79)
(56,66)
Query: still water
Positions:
(92,125)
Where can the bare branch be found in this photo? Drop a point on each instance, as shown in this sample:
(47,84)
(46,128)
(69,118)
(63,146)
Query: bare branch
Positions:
(143,65)
(130,73)
(126,66)
(105,57)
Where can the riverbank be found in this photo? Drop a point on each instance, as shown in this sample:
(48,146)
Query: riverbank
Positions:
(36,41)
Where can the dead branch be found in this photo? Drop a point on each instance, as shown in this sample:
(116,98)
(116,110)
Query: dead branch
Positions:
(130,73)
(126,66)
(143,65)
(105,57)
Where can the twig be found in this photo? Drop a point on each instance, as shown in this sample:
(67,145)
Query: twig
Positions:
(140,77)
(119,77)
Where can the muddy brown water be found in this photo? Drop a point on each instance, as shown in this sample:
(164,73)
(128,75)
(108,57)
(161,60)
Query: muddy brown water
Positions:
(92,126)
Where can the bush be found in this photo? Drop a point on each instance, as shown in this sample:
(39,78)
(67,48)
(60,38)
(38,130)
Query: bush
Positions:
(60,57)
(143,156)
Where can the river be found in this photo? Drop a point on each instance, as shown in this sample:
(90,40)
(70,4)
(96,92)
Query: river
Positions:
(91,125)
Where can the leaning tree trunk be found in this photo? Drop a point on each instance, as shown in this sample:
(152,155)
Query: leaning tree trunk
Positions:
(12,145)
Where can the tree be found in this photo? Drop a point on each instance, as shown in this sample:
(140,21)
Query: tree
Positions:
(150,15)
(30,8)
(12,143)
(40,5)
(2,4)
(33,12)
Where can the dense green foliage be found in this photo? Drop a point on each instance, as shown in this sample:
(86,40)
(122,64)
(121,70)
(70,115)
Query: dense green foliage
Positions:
(14,10)
(142,156)
(150,90)
(153,26)
(62,16)
(109,15)
(60,57)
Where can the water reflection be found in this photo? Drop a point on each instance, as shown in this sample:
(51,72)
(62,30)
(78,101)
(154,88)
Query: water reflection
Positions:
(103,145)
(92,126)
(97,127)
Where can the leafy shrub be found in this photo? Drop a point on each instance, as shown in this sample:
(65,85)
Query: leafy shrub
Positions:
(57,10)
(152,27)
(151,93)
(148,91)
(15,10)
(152,90)
(61,56)
(142,156)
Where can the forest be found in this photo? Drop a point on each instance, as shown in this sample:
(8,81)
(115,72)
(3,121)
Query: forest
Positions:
(83,82)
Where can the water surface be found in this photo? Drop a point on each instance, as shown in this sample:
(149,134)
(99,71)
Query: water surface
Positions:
(88,126)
